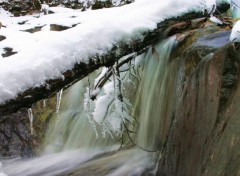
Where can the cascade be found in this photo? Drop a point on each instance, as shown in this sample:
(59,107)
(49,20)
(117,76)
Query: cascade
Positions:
(71,144)
(1,171)
(157,98)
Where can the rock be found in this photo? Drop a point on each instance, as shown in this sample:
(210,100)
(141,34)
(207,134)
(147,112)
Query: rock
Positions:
(2,38)
(101,4)
(216,40)
(55,27)
(8,52)
(204,136)
(15,136)
(35,29)
(16,8)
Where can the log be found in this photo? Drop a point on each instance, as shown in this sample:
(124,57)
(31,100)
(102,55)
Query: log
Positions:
(79,71)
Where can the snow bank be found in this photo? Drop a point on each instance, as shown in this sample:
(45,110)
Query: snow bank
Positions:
(46,54)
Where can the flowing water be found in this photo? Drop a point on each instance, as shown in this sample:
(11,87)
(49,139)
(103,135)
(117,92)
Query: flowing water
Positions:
(72,146)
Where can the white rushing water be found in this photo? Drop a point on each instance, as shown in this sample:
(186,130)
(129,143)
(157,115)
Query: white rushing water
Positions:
(1,170)
(71,142)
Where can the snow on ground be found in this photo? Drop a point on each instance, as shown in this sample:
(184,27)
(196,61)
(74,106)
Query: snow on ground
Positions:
(46,54)
(4,13)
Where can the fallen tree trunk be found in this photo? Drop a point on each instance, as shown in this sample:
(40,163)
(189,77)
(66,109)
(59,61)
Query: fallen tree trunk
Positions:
(164,29)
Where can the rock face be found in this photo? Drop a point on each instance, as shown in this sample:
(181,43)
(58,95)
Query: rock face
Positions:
(15,135)
(204,137)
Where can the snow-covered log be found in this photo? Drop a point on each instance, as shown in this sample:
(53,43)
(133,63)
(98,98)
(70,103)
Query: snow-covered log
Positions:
(164,29)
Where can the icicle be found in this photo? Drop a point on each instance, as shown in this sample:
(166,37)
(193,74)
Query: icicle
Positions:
(106,130)
(59,97)
(44,103)
(87,108)
(30,116)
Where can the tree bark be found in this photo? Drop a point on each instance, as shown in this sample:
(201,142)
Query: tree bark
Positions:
(164,29)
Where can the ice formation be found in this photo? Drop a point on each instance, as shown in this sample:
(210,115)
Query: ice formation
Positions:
(59,98)
(30,116)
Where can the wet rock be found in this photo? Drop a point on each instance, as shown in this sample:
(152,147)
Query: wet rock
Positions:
(15,136)
(204,136)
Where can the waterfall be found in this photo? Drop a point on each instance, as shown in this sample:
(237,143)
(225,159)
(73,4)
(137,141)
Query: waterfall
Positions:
(71,144)
(72,129)
(157,95)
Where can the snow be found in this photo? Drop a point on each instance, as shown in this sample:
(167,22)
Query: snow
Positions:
(46,54)
(60,10)
(103,73)
(215,20)
(46,28)
(211,6)
(44,8)
(235,34)
(102,103)
(4,14)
